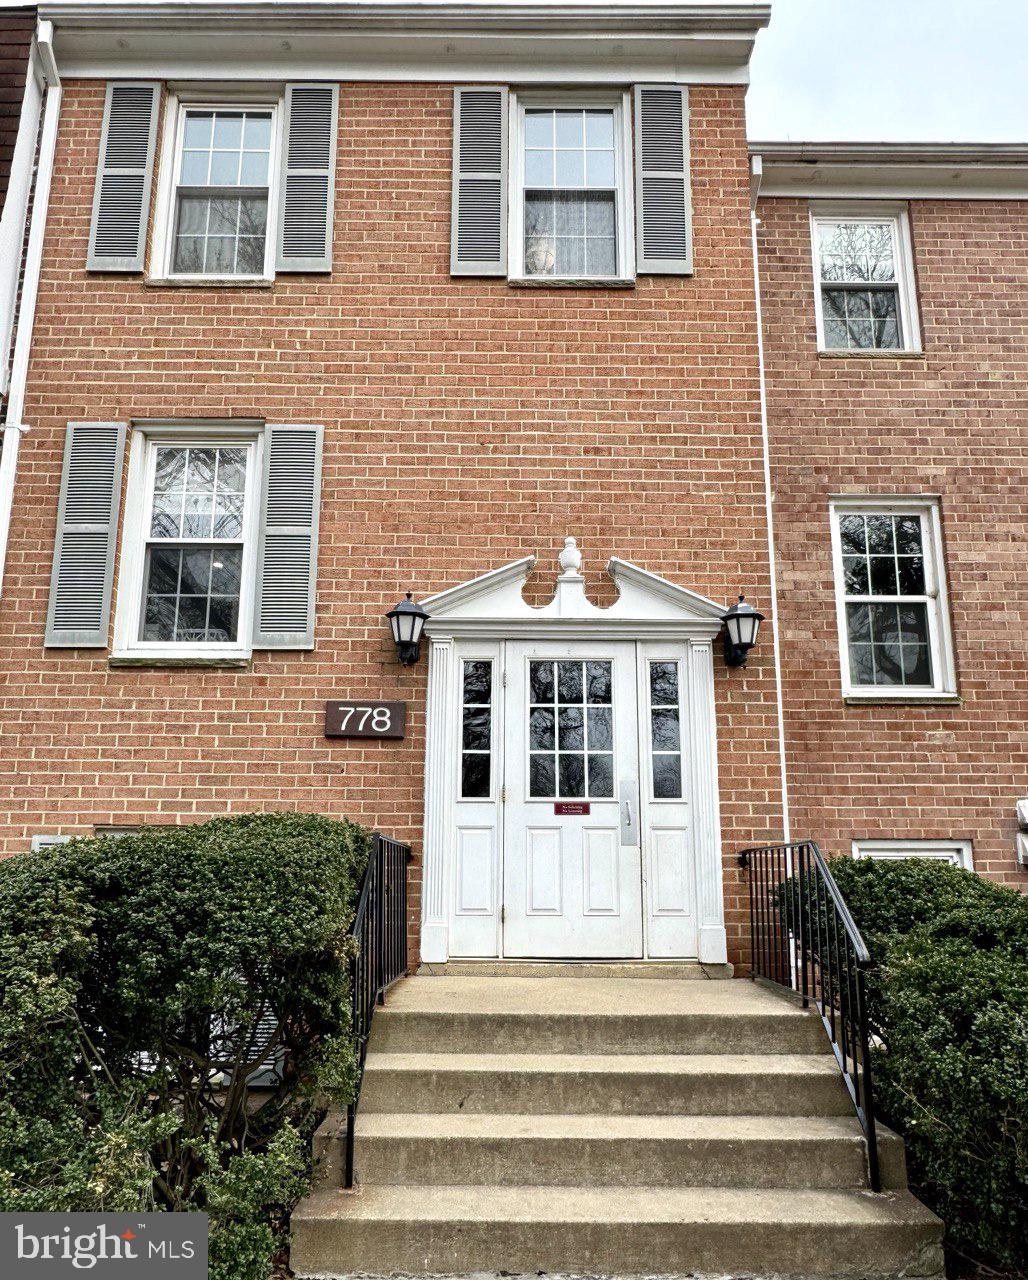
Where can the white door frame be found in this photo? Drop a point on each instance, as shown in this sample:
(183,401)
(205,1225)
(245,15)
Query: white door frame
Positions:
(475,619)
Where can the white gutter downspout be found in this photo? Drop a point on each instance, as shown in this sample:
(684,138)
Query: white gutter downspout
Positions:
(756,170)
(13,425)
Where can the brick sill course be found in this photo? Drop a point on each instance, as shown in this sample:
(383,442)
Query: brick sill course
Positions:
(929,699)
(154,662)
(871,355)
(209,282)
(548,282)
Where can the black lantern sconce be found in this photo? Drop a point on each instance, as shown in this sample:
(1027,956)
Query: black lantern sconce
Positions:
(742,622)
(408,622)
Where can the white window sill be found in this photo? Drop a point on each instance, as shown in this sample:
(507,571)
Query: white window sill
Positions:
(908,698)
(881,353)
(568,282)
(169,658)
(209,282)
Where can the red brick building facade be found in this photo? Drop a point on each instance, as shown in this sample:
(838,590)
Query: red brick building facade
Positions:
(471,420)
(949,421)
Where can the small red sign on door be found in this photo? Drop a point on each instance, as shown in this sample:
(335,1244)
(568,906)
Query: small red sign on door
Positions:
(574,808)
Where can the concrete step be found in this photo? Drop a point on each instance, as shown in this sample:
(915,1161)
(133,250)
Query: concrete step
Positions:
(680,970)
(605,1150)
(605,1084)
(589,1015)
(456,1230)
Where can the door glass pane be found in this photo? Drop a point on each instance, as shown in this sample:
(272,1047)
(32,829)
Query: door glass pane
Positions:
(665,731)
(570,730)
(476,730)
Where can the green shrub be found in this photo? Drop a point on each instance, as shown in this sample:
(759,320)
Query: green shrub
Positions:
(143,981)
(948,1002)
(889,899)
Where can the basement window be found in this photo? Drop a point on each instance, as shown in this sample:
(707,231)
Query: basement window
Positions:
(956,852)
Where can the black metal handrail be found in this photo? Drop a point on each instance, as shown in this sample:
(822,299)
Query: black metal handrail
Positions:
(380,957)
(804,939)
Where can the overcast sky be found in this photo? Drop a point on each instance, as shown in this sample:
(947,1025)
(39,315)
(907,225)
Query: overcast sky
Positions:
(892,70)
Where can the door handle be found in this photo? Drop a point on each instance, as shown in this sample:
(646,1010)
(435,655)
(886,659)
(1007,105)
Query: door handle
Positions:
(629,819)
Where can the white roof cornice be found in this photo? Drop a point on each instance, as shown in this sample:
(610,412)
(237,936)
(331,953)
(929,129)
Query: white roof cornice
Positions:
(463,15)
(896,170)
(408,40)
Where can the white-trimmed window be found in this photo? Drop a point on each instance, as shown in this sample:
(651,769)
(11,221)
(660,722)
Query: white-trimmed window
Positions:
(217,215)
(864,280)
(187,581)
(891,598)
(956,852)
(570,212)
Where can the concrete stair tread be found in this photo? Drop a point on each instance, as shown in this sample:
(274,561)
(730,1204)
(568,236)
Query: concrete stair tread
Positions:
(679,970)
(643,997)
(742,1064)
(676,1206)
(608,1128)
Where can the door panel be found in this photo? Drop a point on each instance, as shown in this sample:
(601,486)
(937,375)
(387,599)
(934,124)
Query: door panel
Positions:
(669,865)
(572,870)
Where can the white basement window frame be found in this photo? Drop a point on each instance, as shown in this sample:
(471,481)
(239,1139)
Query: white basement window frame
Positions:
(138,539)
(899,281)
(956,852)
(523,104)
(180,109)
(941,681)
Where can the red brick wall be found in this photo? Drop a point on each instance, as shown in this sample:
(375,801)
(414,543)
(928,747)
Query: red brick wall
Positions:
(16,29)
(952,423)
(467,423)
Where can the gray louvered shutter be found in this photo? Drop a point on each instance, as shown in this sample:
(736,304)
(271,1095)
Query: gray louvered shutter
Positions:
(121,198)
(663,208)
(87,524)
(287,557)
(308,178)
(478,231)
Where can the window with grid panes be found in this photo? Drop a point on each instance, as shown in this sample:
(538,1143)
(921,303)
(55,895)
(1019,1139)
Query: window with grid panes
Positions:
(223,179)
(887,605)
(570,192)
(196,535)
(859,283)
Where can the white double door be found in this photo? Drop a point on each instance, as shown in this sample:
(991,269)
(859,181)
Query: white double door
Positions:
(573,829)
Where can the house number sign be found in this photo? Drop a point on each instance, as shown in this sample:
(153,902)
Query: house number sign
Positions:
(365,719)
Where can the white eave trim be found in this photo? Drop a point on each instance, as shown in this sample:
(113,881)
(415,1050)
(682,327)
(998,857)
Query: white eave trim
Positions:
(399,40)
(456,15)
(932,171)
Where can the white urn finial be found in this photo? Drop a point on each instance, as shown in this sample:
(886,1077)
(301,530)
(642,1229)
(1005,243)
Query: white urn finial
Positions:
(570,559)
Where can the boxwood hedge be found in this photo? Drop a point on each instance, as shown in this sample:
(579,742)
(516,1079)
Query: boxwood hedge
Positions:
(147,983)
(950,1007)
